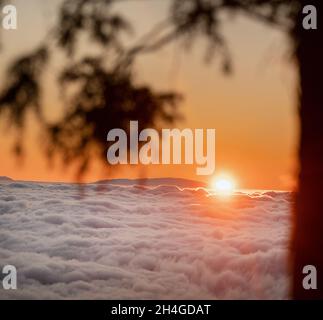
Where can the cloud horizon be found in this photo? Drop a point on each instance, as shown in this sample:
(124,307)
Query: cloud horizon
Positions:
(143,242)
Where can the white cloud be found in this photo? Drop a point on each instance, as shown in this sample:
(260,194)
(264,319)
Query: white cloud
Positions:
(143,242)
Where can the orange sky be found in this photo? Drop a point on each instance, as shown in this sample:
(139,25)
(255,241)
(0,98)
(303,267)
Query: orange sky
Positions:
(253,110)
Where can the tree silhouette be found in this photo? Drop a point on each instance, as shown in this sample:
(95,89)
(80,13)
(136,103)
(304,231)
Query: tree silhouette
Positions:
(106,94)
(108,97)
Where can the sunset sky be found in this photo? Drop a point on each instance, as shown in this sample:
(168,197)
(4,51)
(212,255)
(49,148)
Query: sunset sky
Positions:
(252,110)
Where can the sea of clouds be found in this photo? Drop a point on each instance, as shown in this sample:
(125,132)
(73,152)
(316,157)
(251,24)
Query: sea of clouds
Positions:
(136,242)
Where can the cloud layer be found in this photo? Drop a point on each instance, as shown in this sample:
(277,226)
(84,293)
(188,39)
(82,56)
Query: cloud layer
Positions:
(161,242)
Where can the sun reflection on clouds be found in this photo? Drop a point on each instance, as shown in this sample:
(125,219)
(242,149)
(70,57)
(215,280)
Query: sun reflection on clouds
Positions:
(223,184)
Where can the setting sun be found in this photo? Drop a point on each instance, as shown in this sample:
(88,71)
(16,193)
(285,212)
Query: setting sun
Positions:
(223,185)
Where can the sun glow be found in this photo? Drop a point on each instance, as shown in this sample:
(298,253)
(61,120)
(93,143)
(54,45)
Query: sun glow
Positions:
(223,185)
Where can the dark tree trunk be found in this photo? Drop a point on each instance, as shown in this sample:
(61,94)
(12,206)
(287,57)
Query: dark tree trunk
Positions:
(307,242)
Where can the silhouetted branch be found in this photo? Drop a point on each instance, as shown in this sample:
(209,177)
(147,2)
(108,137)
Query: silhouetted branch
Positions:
(23,90)
(103,100)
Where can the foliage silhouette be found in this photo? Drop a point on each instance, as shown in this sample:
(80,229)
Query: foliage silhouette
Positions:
(107,95)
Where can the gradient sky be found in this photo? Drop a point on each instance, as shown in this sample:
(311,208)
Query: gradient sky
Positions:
(253,110)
